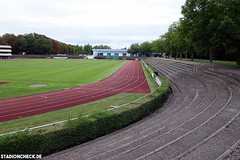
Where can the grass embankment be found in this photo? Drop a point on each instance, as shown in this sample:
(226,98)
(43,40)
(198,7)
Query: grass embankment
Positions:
(56,74)
(217,62)
(85,128)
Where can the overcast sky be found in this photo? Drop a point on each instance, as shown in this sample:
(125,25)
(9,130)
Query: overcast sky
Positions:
(117,23)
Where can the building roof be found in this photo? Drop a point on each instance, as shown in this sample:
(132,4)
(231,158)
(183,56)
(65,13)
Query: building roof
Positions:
(5,51)
(5,54)
(5,47)
(110,50)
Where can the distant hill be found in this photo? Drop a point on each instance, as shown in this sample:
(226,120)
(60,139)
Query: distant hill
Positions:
(34,43)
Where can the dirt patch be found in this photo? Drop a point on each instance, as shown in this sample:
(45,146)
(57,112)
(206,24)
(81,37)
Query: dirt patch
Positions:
(1,83)
(37,85)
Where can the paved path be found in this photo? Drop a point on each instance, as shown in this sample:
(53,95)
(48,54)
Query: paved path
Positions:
(201,120)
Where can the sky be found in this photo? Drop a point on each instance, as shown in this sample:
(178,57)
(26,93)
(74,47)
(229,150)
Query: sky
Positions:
(117,23)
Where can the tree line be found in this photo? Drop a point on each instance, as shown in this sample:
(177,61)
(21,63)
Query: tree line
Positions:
(34,43)
(209,29)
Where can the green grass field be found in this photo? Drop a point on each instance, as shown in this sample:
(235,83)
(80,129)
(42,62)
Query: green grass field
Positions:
(56,74)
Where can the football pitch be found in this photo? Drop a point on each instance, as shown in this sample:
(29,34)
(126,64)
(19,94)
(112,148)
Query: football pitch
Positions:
(32,76)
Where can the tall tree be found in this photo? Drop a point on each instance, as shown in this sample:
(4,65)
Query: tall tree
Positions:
(145,48)
(64,48)
(55,47)
(158,45)
(171,39)
(134,48)
(2,42)
(78,50)
(11,39)
(101,47)
(22,44)
(212,22)
(87,49)
(186,31)
(43,46)
(31,43)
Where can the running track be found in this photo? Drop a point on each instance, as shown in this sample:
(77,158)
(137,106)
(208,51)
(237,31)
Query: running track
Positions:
(128,79)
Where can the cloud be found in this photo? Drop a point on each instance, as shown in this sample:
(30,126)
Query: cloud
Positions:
(75,21)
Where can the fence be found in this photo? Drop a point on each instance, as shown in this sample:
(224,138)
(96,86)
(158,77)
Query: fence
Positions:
(155,77)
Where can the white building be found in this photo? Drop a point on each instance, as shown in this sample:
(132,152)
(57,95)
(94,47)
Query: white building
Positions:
(110,52)
(5,52)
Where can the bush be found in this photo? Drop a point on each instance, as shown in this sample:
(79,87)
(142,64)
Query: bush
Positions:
(238,61)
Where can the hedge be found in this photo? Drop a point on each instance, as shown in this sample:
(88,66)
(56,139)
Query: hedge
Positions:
(238,61)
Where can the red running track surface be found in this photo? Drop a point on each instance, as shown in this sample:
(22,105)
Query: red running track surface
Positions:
(128,79)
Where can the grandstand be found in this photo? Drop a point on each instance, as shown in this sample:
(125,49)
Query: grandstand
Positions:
(5,52)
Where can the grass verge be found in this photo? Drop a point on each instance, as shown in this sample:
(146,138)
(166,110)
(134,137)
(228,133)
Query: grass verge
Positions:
(68,113)
(218,62)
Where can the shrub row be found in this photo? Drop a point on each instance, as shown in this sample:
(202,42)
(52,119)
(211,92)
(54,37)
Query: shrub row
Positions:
(81,130)
(238,61)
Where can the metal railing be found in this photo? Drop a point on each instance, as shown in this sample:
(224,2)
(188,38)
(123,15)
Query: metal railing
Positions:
(155,77)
